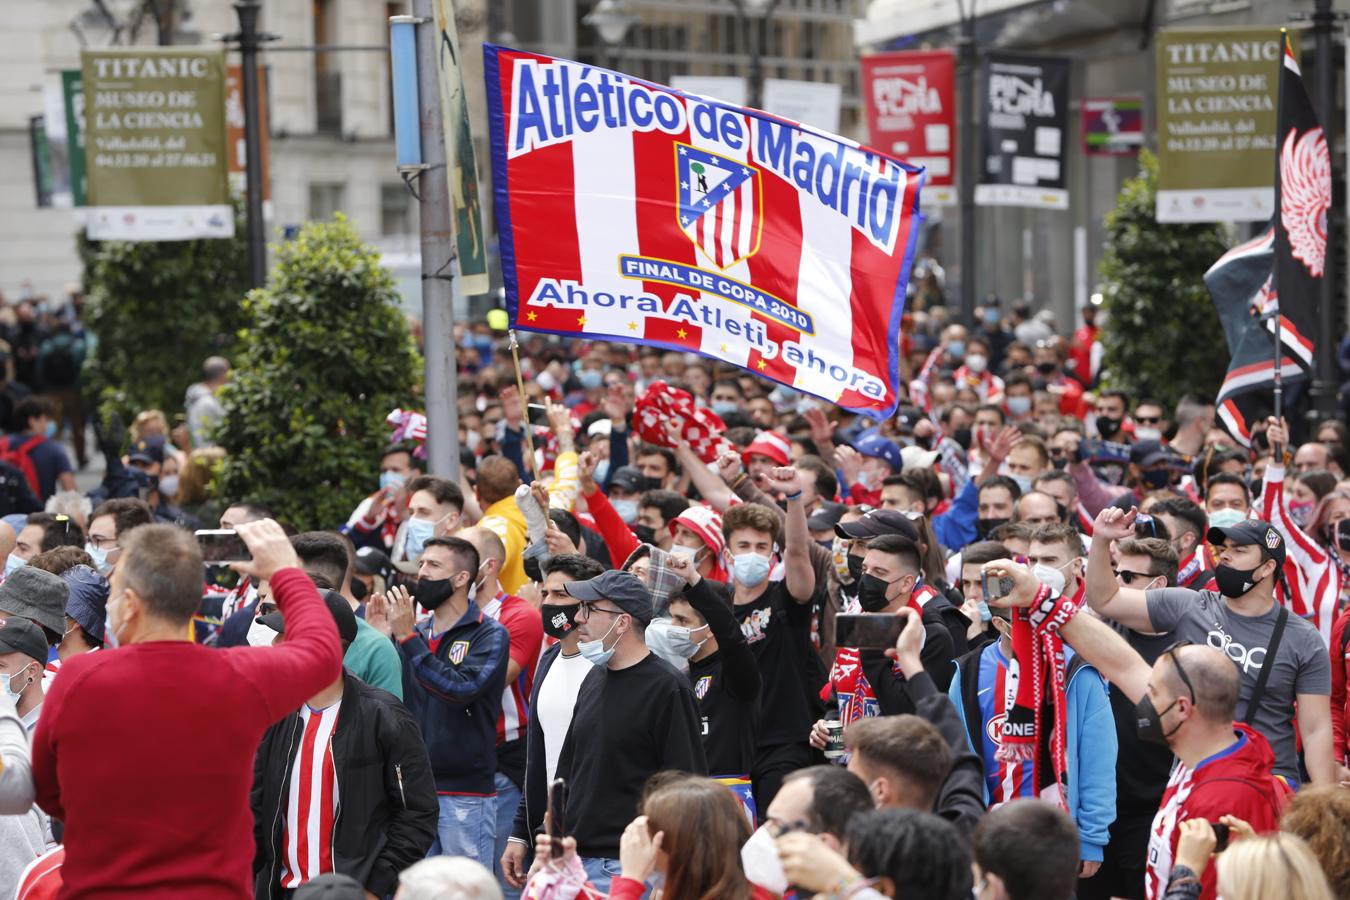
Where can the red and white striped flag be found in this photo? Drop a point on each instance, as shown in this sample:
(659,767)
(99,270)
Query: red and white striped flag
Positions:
(634,212)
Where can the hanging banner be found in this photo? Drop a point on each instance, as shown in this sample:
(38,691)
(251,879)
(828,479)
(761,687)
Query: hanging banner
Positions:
(1026,122)
(41,157)
(58,142)
(1216,123)
(727,88)
(462,166)
(1113,126)
(236,145)
(911,113)
(155,144)
(633,212)
(72,89)
(814,103)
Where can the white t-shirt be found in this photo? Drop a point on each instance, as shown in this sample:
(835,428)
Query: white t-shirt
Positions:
(557,699)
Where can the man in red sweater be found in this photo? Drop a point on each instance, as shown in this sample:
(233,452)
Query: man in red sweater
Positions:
(146,752)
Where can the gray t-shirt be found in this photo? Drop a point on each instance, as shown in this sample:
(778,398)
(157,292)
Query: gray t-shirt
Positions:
(1302,665)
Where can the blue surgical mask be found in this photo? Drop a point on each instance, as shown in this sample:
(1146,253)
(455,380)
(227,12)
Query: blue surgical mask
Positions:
(13,692)
(676,638)
(690,553)
(99,556)
(601,471)
(627,510)
(391,480)
(1226,518)
(1019,406)
(591,378)
(419,531)
(14,562)
(595,652)
(956,349)
(991,317)
(1023,482)
(985,614)
(50,431)
(724,408)
(750,569)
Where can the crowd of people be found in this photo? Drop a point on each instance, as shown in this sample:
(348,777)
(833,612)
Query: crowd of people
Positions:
(678,631)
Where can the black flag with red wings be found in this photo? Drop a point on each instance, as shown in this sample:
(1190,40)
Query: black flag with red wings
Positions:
(1274,278)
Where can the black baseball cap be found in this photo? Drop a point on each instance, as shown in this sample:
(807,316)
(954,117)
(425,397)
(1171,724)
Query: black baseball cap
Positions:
(628,479)
(1251,532)
(624,589)
(373,561)
(331,886)
(876,523)
(19,635)
(1145,454)
(826,516)
(337,605)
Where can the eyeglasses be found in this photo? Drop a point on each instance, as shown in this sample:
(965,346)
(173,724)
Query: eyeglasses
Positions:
(584,612)
(1127,577)
(1148,420)
(1171,653)
(103,543)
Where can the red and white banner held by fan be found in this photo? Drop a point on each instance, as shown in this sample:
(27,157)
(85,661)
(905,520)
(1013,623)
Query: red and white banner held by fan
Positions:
(629,211)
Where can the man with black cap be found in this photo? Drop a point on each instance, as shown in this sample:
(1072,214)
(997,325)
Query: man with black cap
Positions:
(1280,657)
(626,487)
(635,716)
(23,653)
(341,785)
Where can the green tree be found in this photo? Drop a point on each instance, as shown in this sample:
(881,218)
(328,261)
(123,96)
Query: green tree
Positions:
(1162,338)
(158,310)
(326,357)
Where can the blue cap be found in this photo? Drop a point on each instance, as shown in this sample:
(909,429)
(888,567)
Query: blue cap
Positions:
(881,448)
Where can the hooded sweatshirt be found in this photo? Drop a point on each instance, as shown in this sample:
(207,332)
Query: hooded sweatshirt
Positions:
(1235,781)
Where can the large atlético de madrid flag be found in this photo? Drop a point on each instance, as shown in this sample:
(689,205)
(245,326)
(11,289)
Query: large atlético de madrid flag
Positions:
(629,211)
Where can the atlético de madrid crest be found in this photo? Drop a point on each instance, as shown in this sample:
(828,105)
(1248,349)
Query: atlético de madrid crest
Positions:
(719,207)
(459,650)
(701,686)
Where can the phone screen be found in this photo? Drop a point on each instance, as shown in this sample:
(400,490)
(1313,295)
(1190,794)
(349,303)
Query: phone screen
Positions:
(557,811)
(222,546)
(867,631)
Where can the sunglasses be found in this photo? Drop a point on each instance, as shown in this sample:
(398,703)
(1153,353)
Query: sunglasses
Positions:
(1128,577)
(1148,420)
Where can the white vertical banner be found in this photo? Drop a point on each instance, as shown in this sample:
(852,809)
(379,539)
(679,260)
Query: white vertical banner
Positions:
(727,88)
(813,103)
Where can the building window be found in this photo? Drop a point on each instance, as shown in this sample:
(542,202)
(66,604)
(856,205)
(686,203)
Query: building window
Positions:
(395,211)
(325,200)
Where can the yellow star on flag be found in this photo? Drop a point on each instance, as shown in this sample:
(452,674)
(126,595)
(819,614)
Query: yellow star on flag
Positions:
(682,334)
(632,326)
(581,320)
(724,348)
(531,316)
(761,364)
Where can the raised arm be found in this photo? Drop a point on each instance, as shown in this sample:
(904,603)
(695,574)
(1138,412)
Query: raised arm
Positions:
(710,487)
(1104,594)
(801,575)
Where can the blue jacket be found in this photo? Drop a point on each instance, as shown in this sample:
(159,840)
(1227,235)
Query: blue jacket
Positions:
(534,795)
(455,694)
(956,527)
(1091,744)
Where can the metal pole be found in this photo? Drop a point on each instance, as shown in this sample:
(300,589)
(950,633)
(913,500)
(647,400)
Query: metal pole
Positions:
(968,159)
(438,250)
(247,10)
(1324,384)
(754,28)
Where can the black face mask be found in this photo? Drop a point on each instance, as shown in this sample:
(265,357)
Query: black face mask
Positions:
(559,621)
(1046,368)
(1157,479)
(1233,583)
(431,594)
(645,533)
(963,437)
(1148,722)
(1342,536)
(986,527)
(854,567)
(872,593)
(1060,462)
(1107,427)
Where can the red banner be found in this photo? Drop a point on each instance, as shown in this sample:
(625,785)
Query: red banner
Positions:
(911,113)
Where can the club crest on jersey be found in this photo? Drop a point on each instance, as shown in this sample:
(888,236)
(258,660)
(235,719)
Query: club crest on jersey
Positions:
(719,204)
(459,650)
(701,686)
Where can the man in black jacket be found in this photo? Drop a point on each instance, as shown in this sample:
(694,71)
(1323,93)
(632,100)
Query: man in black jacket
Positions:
(341,785)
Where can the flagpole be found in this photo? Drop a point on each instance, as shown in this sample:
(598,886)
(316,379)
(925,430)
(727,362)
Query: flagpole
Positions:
(1279,363)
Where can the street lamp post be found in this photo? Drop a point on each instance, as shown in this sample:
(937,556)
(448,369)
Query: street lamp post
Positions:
(611,20)
(967,158)
(1330,302)
(759,12)
(249,40)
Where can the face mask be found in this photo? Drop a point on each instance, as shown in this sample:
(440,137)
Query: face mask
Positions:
(645,534)
(418,532)
(1023,482)
(854,568)
(872,593)
(432,593)
(724,408)
(168,485)
(50,431)
(985,614)
(956,349)
(1019,405)
(675,639)
(689,553)
(1050,577)
(962,436)
(750,569)
(986,527)
(1046,368)
(601,471)
(977,363)
(1107,427)
(559,621)
(1226,518)
(1341,536)
(391,480)
(1233,583)
(595,652)
(991,318)
(1157,479)
(11,690)
(1301,512)
(1148,434)
(762,865)
(627,510)
(591,378)
(1148,722)
(13,562)
(259,635)
(100,557)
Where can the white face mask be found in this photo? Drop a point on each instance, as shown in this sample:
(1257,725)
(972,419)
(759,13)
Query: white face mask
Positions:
(1147,434)
(977,362)
(762,865)
(1051,577)
(259,635)
(13,690)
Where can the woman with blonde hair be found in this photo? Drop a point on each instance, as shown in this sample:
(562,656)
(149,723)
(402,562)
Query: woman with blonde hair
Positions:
(1275,866)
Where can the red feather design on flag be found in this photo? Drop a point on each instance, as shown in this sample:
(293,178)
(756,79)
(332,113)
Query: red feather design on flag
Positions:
(1305,196)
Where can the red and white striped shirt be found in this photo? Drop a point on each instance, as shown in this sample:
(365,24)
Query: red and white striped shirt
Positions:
(1313,576)
(312,801)
(526,628)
